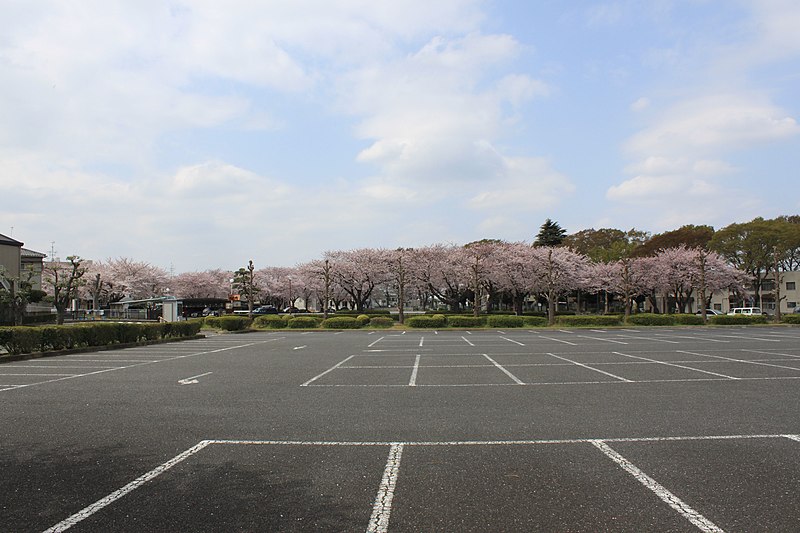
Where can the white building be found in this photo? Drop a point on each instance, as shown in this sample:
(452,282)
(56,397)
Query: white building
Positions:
(789,294)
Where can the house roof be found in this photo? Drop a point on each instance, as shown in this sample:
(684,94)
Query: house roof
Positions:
(24,252)
(8,241)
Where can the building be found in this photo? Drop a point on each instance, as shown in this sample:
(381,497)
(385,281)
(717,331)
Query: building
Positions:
(790,296)
(10,256)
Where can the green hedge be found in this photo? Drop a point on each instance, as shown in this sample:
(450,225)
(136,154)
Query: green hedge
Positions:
(228,323)
(737,320)
(364,319)
(689,320)
(342,322)
(26,339)
(505,321)
(651,319)
(381,322)
(534,321)
(791,319)
(369,312)
(466,321)
(303,322)
(270,322)
(589,320)
(425,321)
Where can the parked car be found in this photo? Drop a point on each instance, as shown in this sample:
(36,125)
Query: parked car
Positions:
(263,310)
(710,312)
(294,310)
(749,311)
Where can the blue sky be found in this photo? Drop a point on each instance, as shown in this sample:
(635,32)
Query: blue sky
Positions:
(198,134)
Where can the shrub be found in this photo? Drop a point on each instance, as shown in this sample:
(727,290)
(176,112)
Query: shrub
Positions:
(184,328)
(364,319)
(228,323)
(786,319)
(651,319)
(424,321)
(55,338)
(589,320)
(25,339)
(737,320)
(341,322)
(303,322)
(505,321)
(466,321)
(5,337)
(689,320)
(270,322)
(535,321)
(381,322)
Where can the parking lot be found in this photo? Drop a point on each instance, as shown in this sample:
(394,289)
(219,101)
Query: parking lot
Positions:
(641,429)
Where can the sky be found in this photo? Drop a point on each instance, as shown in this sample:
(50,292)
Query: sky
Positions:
(201,134)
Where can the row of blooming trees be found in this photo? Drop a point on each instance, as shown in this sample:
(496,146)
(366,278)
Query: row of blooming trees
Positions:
(491,271)
(679,267)
(455,276)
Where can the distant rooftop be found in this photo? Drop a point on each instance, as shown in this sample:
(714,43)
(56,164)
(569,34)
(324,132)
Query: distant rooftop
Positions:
(8,241)
(24,252)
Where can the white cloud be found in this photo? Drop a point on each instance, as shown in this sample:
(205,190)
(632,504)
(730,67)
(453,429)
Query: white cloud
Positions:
(640,104)
(528,184)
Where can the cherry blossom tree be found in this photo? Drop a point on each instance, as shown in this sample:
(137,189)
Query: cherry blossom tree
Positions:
(627,277)
(358,272)
(677,269)
(206,284)
(135,279)
(317,277)
(513,271)
(477,256)
(558,270)
(402,275)
(62,280)
(443,270)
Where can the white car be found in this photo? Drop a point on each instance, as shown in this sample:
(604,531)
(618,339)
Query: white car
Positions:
(746,311)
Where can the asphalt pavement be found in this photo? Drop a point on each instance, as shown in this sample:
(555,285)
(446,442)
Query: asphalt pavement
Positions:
(634,429)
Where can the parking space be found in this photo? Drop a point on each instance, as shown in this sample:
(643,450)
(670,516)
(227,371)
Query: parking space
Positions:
(590,357)
(674,429)
(637,484)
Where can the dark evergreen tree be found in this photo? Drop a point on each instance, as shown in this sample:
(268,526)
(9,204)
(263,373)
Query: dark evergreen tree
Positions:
(550,234)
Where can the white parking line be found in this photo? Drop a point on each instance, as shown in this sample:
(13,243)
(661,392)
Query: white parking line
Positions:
(601,339)
(413,381)
(693,337)
(331,369)
(701,522)
(467,341)
(647,339)
(557,340)
(772,353)
(379,521)
(86,512)
(509,374)
(382,506)
(421,339)
(589,367)
(760,363)
(511,340)
(675,365)
(373,343)
(136,363)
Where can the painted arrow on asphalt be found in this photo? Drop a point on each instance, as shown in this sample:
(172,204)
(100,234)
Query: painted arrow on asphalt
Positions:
(192,380)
